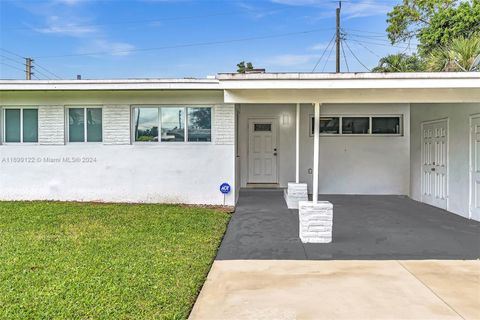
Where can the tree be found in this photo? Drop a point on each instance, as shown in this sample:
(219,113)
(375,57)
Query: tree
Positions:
(433,22)
(242,67)
(399,62)
(463,54)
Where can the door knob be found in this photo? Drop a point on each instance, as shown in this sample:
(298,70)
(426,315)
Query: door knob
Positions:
(433,169)
(275,154)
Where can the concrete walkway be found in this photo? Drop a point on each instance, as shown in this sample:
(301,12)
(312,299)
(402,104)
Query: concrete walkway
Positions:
(262,289)
(364,227)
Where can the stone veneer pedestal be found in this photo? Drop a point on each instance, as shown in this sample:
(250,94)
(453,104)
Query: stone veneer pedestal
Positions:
(316,221)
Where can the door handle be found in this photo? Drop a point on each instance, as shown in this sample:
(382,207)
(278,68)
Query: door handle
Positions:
(275,154)
(433,169)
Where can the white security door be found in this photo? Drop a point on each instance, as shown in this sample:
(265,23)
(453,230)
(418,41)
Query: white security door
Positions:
(435,163)
(262,151)
(475,169)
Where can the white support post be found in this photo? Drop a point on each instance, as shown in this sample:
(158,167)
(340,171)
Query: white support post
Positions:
(316,147)
(297,146)
(315,217)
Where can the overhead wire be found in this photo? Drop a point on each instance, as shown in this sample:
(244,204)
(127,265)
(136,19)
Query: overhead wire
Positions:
(185,45)
(46,70)
(10,66)
(355,56)
(324,51)
(344,55)
(328,58)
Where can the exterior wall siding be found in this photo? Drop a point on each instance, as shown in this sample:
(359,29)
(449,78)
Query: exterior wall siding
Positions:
(118,170)
(51,125)
(116,124)
(224,124)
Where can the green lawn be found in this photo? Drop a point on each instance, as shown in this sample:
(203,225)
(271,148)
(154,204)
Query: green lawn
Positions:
(104,261)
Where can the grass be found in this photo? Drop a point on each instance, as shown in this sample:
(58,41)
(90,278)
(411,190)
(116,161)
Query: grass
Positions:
(104,261)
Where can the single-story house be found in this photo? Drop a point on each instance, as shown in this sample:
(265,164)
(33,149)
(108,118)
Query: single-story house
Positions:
(178,140)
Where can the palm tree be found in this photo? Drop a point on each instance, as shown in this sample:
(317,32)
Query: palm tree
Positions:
(399,62)
(463,54)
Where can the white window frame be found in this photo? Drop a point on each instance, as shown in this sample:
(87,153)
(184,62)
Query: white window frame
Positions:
(369,134)
(67,123)
(185,124)
(3,125)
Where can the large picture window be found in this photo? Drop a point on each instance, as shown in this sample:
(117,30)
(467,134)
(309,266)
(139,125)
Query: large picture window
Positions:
(85,125)
(358,125)
(20,125)
(173,123)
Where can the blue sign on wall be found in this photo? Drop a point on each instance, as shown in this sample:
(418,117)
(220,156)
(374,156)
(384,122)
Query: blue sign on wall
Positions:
(225,188)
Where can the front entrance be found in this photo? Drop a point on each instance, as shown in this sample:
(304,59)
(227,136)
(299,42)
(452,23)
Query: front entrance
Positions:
(262,151)
(475,168)
(435,163)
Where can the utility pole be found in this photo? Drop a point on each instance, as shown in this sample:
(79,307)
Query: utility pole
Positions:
(338,38)
(28,68)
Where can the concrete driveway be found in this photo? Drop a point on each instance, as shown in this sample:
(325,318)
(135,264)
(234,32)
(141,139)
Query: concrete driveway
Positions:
(272,289)
(391,258)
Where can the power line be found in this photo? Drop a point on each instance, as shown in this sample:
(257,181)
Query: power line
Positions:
(353,54)
(368,49)
(326,61)
(195,44)
(46,70)
(12,53)
(344,57)
(324,51)
(13,60)
(381,42)
(10,66)
(41,73)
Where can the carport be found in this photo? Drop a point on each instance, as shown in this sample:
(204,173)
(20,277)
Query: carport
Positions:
(366,227)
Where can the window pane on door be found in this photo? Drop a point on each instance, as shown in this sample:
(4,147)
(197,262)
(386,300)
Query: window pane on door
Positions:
(94,125)
(355,125)
(262,127)
(30,125)
(12,125)
(173,128)
(146,124)
(76,125)
(199,124)
(386,125)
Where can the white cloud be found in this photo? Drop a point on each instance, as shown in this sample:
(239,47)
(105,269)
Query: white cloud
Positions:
(319,46)
(290,60)
(363,8)
(57,25)
(69,2)
(105,46)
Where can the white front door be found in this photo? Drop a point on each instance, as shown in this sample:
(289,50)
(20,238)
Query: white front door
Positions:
(475,169)
(262,151)
(435,163)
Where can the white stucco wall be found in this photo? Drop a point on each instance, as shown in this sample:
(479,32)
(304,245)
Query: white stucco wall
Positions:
(459,135)
(348,164)
(116,170)
(358,164)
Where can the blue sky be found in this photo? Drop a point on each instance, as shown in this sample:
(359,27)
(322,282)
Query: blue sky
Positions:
(186,38)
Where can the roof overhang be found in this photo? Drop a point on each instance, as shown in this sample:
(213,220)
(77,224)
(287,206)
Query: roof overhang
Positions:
(351,88)
(109,85)
(290,87)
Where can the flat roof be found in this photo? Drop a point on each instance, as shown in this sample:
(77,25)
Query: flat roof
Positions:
(273,81)
(347,75)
